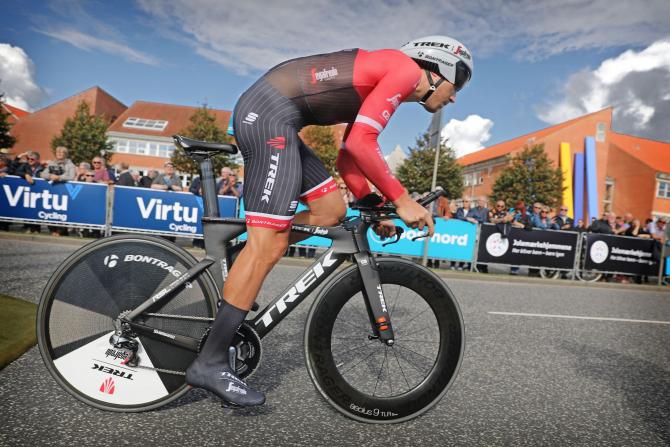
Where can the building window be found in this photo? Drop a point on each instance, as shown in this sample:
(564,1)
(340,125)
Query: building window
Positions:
(663,189)
(608,199)
(154,149)
(600,132)
(139,123)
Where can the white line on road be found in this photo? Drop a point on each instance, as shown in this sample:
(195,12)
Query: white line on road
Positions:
(577,317)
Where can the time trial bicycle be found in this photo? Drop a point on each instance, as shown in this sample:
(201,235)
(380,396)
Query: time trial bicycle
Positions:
(122,318)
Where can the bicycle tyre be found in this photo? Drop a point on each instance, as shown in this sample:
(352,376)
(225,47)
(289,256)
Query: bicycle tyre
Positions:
(89,290)
(550,274)
(330,381)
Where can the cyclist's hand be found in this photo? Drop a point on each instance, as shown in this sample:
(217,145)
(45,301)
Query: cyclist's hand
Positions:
(385,228)
(413,214)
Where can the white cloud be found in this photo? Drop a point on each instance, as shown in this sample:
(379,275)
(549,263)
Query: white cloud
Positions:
(635,83)
(254,35)
(17,78)
(467,136)
(89,43)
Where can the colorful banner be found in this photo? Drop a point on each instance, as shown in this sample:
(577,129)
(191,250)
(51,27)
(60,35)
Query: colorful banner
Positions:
(566,169)
(579,187)
(66,203)
(155,211)
(591,179)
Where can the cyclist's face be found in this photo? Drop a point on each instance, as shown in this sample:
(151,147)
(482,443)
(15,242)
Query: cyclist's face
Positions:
(445,94)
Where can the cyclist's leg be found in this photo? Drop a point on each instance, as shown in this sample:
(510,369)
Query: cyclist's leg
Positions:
(319,191)
(269,145)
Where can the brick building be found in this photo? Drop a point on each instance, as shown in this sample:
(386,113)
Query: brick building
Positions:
(142,134)
(15,114)
(36,130)
(633,174)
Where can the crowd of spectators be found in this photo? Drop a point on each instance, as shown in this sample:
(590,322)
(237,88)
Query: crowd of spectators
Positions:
(61,169)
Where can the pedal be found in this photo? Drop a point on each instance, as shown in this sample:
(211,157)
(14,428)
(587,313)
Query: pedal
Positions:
(231,405)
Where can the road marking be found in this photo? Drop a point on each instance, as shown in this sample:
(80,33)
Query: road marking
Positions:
(576,317)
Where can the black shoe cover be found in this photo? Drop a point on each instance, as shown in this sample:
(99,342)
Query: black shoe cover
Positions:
(225,384)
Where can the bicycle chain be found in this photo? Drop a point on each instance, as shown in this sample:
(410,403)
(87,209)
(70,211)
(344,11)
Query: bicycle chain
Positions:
(161,370)
(180,317)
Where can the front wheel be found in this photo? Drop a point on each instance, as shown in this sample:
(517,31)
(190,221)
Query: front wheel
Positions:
(367,380)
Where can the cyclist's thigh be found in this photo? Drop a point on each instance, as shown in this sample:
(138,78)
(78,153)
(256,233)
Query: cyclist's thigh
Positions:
(269,143)
(316,181)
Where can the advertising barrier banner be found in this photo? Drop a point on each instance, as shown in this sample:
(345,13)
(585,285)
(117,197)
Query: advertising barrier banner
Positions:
(536,248)
(631,255)
(67,203)
(453,240)
(155,211)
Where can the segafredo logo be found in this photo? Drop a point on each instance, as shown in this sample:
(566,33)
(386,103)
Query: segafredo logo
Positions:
(181,215)
(49,202)
(323,75)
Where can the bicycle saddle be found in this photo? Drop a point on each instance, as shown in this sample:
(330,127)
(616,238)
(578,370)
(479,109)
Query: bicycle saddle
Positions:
(191,146)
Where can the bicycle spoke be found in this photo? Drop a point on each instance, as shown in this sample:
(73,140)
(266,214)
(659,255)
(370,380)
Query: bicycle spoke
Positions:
(352,349)
(416,316)
(394,303)
(356,364)
(380,372)
(401,370)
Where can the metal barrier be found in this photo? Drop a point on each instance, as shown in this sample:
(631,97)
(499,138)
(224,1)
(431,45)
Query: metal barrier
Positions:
(142,210)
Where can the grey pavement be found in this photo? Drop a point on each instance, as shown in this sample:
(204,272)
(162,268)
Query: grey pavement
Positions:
(524,380)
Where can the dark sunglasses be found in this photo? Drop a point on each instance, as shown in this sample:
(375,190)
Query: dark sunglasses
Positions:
(90,175)
(463,75)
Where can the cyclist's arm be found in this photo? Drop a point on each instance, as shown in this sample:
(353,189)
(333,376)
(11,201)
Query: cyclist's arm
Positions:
(360,145)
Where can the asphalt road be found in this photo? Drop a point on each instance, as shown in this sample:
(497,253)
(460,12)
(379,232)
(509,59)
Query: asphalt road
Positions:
(524,380)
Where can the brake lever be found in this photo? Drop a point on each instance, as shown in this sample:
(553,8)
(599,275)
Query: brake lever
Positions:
(420,236)
(398,233)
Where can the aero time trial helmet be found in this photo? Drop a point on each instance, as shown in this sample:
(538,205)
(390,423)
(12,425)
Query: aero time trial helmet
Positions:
(442,55)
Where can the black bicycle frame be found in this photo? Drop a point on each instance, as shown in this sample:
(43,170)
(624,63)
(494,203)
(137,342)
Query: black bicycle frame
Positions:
(350,238)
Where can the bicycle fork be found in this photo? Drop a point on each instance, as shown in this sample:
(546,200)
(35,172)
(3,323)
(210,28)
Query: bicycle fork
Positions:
(373,293)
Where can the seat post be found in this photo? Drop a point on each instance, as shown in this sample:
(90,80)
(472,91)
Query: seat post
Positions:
(207,180)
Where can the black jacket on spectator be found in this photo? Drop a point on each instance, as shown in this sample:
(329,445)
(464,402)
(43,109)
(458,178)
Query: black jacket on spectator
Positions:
(601,226)
(146,181)
(125,179)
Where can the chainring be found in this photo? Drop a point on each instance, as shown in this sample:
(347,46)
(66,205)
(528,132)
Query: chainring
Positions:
(249,350)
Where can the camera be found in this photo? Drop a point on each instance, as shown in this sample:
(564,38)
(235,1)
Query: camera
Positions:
(56,170)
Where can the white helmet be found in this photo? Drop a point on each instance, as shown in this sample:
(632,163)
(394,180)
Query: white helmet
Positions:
(442,55)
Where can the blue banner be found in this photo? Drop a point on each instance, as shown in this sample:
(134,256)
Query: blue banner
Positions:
(67,203)
(453,239)
(151,210)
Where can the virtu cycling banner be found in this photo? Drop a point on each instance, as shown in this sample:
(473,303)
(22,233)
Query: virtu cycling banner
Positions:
(535,248)
(632,255)
(65,203)
(155,211)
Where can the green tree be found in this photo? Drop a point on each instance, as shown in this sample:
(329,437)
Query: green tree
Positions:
(84,135)
(6,140)
(322,140)
(203,127)
(416,172)
(530,176)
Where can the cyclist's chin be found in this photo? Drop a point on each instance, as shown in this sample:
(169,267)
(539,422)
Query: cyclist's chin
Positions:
(433,108)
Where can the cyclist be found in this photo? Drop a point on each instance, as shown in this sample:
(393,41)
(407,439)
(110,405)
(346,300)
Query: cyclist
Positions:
(362,88)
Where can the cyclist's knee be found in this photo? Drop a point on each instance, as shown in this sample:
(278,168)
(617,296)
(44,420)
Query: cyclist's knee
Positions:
(266,245)
(328,210)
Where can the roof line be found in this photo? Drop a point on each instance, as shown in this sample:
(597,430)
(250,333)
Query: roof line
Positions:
(641,138)
(78,93)
(564,123)
(176,105)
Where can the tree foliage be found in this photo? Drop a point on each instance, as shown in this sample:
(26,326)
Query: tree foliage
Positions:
(322,140)
(416,172)
(6,140)
(84,135)
(203,127)
(530,176)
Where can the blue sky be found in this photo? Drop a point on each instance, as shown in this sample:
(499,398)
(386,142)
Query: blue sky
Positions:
(536,62)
